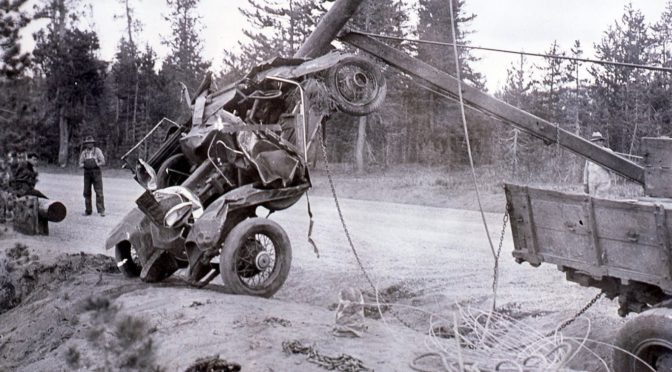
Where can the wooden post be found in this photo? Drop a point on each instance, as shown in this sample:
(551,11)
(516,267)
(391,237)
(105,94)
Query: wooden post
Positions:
(657,166)
(326,31)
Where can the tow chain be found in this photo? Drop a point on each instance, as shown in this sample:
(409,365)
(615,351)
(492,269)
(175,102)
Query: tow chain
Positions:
(347,232)
(495,279)
(340,213)
(576,316)
(495,270)
(343,362)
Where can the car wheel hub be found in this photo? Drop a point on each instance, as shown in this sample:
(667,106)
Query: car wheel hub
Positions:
(262,261)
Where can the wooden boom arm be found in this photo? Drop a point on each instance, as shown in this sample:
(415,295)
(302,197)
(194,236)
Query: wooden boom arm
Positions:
(476,100)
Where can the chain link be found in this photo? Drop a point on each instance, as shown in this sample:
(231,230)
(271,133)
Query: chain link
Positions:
(495,270)
(567,322)
(495,279)
(347,232)
(340,214)
(343,362)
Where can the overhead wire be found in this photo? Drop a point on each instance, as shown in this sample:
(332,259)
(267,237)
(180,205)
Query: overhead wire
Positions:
(509,51)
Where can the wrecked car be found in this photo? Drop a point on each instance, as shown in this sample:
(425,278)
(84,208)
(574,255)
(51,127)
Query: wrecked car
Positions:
(245,146)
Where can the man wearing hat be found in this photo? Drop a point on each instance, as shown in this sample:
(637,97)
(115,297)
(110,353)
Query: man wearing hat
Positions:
(91,159)
(596,179)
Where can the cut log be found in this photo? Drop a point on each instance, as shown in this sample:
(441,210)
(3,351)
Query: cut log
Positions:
(52,210)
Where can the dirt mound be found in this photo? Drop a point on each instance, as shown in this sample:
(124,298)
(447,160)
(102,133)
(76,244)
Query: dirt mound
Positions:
(70,307)
(22,273)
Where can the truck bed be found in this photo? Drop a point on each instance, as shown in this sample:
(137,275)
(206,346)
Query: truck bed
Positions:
(603,240)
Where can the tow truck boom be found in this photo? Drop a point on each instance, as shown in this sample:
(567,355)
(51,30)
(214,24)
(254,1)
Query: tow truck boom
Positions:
(477,100)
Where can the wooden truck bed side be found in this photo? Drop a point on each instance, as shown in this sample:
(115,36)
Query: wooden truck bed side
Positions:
(625,240)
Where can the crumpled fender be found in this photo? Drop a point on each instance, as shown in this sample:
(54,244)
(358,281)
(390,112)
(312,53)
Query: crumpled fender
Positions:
(294,71)
(207,230)
(133,228)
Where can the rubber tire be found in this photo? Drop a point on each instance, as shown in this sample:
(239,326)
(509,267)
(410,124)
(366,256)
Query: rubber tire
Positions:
(162,175)
(654,323)
(235,240)
(130,269)
(347,106)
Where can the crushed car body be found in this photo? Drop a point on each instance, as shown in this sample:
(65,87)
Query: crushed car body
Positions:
(246,145)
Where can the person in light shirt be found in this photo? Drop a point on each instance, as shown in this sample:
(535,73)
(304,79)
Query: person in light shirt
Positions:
(596,178)
(91,159)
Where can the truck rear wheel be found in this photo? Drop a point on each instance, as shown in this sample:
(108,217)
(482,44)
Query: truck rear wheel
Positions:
(649,337)
(255,258)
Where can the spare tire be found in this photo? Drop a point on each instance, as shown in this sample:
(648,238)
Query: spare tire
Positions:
(357,86)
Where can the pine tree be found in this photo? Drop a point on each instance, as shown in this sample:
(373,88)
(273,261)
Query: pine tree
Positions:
(439,137)
(552,83)
(434,24)
(620,92)
(125,82)
(185,62)
(73,76)
(576,98)
(661,85)
(276,28)
(16,102)
(12,19)
(520,91)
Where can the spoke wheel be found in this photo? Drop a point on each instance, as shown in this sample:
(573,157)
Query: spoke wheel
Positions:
(128,260)
(255,258)
(358,87)
(649,337)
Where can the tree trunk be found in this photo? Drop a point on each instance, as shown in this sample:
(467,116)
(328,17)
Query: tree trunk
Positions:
(135,109)
(63,144)
(634,131)
(361,143)
(577,123)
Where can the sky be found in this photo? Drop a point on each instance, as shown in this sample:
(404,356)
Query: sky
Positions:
(529,25)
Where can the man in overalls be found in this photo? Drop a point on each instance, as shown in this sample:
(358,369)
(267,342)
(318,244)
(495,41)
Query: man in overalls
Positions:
(91,159)
(596,178)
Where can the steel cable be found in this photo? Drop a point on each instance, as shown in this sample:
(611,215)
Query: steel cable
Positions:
(508,51)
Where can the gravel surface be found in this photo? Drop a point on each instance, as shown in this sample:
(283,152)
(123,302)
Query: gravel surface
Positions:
(425,258)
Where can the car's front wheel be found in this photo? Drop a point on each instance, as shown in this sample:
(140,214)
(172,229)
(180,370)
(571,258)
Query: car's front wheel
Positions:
(255,258)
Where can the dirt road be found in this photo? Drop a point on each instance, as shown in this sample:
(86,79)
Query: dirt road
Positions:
(423,257)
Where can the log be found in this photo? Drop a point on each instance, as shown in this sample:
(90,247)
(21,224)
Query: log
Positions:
(51,210)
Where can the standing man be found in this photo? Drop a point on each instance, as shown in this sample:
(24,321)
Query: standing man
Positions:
(596,179)
(91,159)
